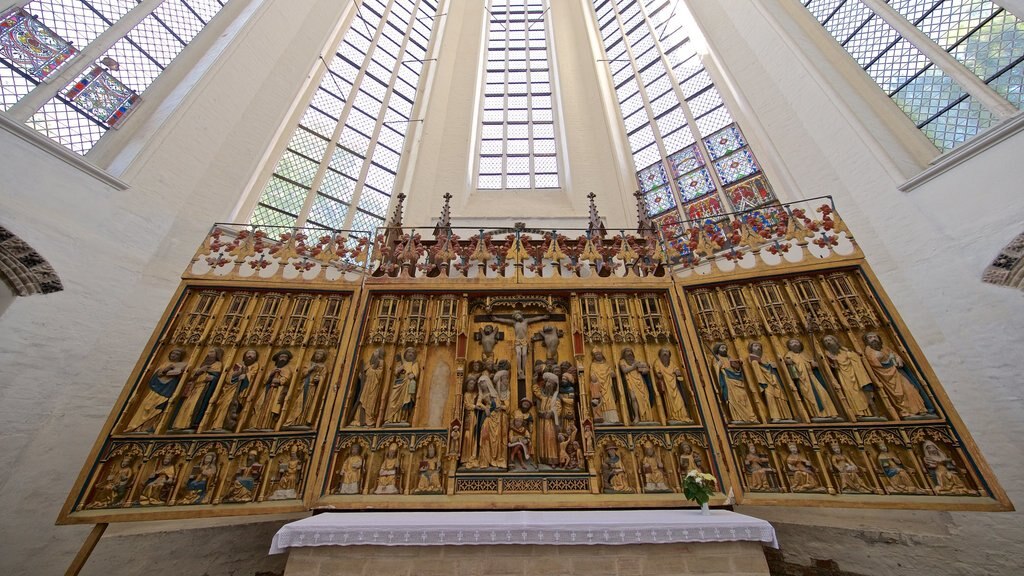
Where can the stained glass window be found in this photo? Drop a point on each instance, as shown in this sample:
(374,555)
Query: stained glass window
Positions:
(750,193)
(985,39)
(517,132)
(707,208)
(78,114)
(339,169)
(676,121)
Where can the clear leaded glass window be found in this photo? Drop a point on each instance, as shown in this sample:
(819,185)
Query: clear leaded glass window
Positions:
(692,160)
(338,171)
(517,133)
(985,39)
(90,87)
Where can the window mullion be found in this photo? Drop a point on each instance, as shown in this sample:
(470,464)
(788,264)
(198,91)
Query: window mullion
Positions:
(46,90)
(973,85)
(332,145)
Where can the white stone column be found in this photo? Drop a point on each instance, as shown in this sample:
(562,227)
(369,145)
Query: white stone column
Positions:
(6,5)
(49,88)
(964,77)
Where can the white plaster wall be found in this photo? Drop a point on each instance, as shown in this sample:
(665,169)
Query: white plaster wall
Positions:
(929,248)
(64,357)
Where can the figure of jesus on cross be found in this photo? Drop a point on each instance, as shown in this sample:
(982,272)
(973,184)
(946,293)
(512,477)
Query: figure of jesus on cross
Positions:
(520,326)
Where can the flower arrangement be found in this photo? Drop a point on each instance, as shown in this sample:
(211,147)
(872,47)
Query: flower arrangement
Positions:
(699,487)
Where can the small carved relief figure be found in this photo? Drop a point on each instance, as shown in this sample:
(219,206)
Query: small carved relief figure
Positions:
(942,470)
(613,473)
(850,479)
(200,484)
(243,377)
(895,474)
(758,469)
(546,439)
(492,431)
(402,396)
(574,456)
(351,471)
(636,376)
(267,407)
(112,491)
(689,459)
(370,391)
(853,378)
(302,412)
(156,490)
(668,377)
(733,388)
(898,384)
(602,389)
(550,337)
(801,471)
(488,337)
(429,472)
(588,438)
(567,376)
(247,479)
(653,471)
(157,394)
(519,436)
(767,377)
(288,477)
(520,326)
(804,371)
(195,397)
(389,475)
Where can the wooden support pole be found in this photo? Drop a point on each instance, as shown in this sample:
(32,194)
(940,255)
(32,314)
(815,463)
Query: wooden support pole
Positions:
(86,550)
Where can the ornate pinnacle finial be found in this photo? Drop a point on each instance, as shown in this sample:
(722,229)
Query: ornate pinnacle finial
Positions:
(645,226)
(396,216)
(445,221)
(595,225)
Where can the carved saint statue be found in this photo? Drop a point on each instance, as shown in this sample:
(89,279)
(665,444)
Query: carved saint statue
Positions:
(267,407)
(112,490)
(156,490)
(689,459)
(653,471)
(492,451)
(803,369)
(473,413)
(896,476)
(636,376)
(546,439)
(602,389)
(519,436)
(288,477)
(942,470)
(389,475)
(668,377)
(371,382)
(891,375)
(351,471)
(243,377)
(854,381)
(520,326)
(429,472)
(801,472)
(488,337)
(302,412)
(758,469)
(247,479)
(766,374)
(850,479)
(402,396)
(155,396)
(733,388)
(195,397)
(200,484)
(613,473)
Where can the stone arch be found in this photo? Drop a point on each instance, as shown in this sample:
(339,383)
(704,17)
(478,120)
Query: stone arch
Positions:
(24,269)
(1008,267)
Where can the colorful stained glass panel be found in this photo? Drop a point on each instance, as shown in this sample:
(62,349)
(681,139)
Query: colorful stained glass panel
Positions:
(32,46)
(652,177)
(659,200)
(685,161)
(670,225)
(724,142)
(750,194)
(695,184)
(709,207)
(736,166)
(102,96)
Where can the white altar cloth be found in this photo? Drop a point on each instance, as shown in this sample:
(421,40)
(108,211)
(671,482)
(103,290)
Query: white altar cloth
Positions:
(569,527)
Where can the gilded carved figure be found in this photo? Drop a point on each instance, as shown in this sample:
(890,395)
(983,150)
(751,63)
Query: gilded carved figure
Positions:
(895,474)
(114,488)
(235,391)
(848,473)
(853,378)
(429,481)
(351,471)
(689,459)
(472,422)
(492,452)
(613,473)
(766,374)
(288,477)
(312,377)
(519,436)
(268,404)
(802,474)
(156,489)
(546,438)
(803,369)
(371,384)
(201,481)
(636,375)
(899,384)
(602,389)
(488,337)
(942,470)
(653,470)
(158,392)
(758,469)
(389,475)
(402,396)
(246,480)
(669,377)
(550,337)
(195,397)
(732,386)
